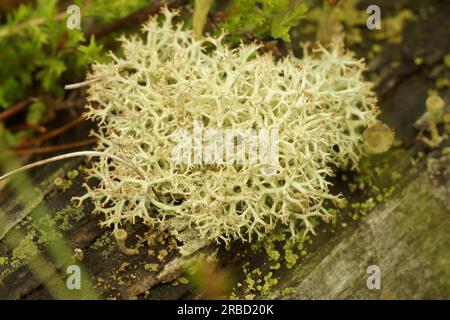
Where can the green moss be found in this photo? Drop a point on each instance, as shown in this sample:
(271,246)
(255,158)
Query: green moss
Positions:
(72,174)
(262,19)
(447,60)
(395,176)
(162,254)
(275,266)
(250,284)
(26,248)
(47,230)
(69,216)
(272,253)
(442,82)
(103,241)
(287,291)
(268,283)
(183,280)
(289,256)
(151,267)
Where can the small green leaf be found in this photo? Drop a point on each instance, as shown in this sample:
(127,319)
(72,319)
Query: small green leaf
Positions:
(52,70)
(281,26)
(263,18)
(447,60)
(89,53)
(36,111)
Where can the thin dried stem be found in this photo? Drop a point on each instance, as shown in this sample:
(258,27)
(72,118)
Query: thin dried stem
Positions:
(54,133)
(71,155)
(4,115)
(81,84)
(48,149)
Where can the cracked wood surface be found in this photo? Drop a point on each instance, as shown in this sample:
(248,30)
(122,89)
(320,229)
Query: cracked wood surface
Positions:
(408,238)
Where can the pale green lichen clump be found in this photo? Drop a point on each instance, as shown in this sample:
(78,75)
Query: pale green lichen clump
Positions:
(320,105)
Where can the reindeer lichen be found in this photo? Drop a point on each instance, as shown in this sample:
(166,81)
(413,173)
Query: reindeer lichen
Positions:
(171,80)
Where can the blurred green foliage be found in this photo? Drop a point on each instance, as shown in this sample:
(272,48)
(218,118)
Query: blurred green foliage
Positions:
(38,49)
(108,10)
(263,18)
(40,53)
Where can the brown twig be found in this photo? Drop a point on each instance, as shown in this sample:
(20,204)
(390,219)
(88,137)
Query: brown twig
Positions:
(34,127)
(54,133)
(70,155)
(49,149)
(4,115)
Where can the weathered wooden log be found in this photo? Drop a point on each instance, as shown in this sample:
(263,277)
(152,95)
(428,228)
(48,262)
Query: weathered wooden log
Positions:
(406,237)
